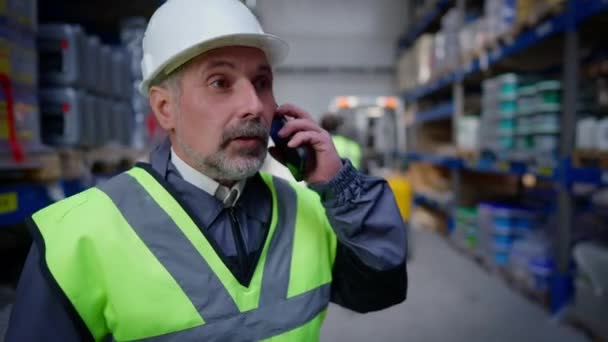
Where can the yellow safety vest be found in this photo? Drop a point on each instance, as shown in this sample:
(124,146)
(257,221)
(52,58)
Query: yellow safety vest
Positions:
(348,149)
(135,266)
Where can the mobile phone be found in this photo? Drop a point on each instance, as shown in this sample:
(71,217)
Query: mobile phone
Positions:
(297,160)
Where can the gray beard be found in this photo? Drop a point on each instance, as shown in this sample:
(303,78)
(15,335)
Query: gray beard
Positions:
(223,167)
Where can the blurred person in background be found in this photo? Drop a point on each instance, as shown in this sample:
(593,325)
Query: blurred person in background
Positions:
(199,245)
(347,148)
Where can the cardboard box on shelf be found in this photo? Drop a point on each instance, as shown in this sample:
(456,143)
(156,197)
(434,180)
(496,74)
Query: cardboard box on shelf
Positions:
(424,219)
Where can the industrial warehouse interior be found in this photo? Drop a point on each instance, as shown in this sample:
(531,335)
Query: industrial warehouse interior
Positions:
(485,120)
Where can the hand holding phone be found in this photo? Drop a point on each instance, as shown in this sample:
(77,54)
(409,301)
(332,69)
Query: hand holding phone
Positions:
(313,156)
(297,160)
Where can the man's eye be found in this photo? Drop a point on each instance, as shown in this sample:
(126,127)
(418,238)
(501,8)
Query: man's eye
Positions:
(219,84)
(263,83)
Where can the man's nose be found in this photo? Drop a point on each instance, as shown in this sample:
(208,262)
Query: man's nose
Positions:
(252,104)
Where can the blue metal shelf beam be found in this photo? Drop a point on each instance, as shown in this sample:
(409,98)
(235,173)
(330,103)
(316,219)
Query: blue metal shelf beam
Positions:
(572,175)
(426,201)
(442,111)
(447,162)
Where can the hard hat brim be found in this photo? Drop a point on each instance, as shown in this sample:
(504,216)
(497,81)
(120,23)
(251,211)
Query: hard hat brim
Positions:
(275,48)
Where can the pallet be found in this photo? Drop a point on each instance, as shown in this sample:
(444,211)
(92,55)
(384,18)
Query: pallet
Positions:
(42,166)
(590,159)
(73,165)
(110,160)
(468,156)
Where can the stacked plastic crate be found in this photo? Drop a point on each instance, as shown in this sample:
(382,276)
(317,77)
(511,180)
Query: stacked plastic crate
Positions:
(504,127)
(499,105)
(19,118)
(538,115)
(465,233)
(500,225)
(144,133)
(85,88)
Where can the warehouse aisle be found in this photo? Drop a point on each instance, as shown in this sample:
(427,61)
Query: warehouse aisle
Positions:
(450,299)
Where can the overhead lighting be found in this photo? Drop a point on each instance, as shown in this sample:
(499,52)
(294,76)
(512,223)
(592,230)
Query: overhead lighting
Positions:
(388,102)
(345,102)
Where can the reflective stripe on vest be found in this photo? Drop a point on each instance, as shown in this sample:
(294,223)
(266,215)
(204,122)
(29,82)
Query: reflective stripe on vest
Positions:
(269,308)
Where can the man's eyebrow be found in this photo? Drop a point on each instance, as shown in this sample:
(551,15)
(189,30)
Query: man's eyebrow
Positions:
(220,64)
(265,68)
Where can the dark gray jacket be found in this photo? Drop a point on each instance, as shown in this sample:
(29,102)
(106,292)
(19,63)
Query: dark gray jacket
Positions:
(369,271)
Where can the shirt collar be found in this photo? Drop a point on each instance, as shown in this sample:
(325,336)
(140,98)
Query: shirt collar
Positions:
(228,196)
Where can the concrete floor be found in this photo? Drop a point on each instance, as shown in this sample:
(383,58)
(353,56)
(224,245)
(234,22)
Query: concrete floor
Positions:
(450,298)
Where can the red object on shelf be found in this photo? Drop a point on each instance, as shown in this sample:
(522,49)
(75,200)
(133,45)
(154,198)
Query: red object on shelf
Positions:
(13,139)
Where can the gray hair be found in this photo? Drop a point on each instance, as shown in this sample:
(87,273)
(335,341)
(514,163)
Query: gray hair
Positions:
(173,81)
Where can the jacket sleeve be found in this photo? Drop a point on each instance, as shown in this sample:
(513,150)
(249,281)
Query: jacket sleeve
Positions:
(369,271)
(39,313)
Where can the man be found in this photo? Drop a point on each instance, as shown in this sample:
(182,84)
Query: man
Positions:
(346,147)
(197,245)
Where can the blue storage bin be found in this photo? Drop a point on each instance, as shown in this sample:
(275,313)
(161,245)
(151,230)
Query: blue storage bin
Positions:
(501,258)
(541,270)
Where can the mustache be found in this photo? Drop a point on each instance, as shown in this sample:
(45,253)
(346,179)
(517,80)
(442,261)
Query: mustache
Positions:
(250,129)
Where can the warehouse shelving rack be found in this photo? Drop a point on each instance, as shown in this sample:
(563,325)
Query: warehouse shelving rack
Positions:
(20,199)
(564,174)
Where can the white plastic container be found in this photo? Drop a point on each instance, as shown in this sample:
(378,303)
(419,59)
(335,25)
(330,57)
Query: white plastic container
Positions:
(93,64)
(61,112)
(586,132)
(60,55)
(601,135)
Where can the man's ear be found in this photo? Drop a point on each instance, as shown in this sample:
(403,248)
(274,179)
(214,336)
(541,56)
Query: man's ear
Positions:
(164,105)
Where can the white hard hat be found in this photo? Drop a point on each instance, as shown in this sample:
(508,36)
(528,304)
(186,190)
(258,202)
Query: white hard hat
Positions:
(180,30)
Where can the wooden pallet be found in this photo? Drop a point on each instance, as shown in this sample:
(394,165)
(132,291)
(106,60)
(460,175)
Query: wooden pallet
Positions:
(111,159)
(42,166)
(590,159)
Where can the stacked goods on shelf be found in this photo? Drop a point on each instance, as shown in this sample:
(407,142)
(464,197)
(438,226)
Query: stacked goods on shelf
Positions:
(592,125)
(432,55)
(531,264)
(431,183)
(84,88)
(467,133)
(447,49)
(520,118)
(436,138)
(463,37)
(529,12)
(500,18)
(500,226)
(19,119)
(464,234)
(416,65)
(144,133)
(538,117)
(498,108)
(472,39)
